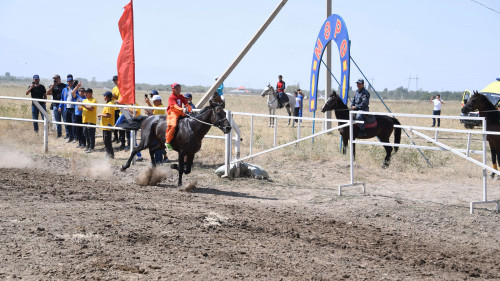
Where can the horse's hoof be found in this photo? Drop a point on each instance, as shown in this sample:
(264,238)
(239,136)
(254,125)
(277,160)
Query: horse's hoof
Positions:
(385,165)
(123,169)
(174,166)
(492,176)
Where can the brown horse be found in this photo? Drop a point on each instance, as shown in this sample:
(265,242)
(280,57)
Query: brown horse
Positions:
(187,140)
(492,115)
(383,129)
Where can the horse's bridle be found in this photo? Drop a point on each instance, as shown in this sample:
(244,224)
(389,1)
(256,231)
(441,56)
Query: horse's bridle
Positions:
(210,124)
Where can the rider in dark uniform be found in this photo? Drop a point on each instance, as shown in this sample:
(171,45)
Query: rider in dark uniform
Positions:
(280,89)
(361,103)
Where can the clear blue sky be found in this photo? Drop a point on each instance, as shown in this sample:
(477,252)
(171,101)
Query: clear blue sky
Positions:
(449,44)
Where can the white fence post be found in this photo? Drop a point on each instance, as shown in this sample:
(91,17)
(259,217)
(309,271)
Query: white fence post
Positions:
(46,135)
(275,130)
(251,135)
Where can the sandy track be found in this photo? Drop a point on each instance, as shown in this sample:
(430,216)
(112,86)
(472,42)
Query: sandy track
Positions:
(66,226)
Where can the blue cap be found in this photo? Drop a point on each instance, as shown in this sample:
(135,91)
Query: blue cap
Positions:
(188,96)
(154,92)
(360,81)
(36,76)
(108,94)
(69,77)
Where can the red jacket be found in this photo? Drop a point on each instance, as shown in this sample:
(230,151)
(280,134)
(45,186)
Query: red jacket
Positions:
(175,103)
(280,87)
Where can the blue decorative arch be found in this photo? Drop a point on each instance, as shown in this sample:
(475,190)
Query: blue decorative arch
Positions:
(334,29)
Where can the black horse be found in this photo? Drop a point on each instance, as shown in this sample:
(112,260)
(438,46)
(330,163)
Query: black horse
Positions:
(492,115)
(188,136)
(383,129)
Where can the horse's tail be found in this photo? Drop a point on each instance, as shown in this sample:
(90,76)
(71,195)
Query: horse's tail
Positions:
(397,133)
(133,124)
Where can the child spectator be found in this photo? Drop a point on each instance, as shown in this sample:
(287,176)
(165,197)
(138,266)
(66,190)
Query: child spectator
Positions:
(89,117)
(108,119)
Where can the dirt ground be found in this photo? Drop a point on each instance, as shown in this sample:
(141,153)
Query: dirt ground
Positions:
(64,219)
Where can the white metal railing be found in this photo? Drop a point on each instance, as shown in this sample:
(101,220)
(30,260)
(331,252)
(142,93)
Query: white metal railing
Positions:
(47,118)
(458,152)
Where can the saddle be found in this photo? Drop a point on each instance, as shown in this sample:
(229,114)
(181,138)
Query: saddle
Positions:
(370,121)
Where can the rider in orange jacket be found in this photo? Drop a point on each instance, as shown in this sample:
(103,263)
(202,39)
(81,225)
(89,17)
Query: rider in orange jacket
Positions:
(174,111)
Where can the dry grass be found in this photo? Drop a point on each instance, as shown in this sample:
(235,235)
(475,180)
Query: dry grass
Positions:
(407,162)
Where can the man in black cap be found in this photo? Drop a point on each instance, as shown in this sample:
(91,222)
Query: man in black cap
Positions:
(56,90)
(361,102)
(37,91)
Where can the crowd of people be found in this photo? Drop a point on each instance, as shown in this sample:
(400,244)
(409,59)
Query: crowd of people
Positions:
(111,116)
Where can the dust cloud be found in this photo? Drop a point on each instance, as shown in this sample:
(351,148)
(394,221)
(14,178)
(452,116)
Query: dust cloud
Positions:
(152,176)
(13,158)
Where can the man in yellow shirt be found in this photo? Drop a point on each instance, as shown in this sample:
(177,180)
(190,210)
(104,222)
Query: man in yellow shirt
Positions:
(116,96)
(89,117)
(156,103)
(108,119)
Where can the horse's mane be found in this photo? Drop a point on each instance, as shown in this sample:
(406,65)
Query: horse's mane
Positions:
(203,110)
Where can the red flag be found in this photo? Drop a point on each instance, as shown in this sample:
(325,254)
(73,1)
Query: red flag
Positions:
(126,59)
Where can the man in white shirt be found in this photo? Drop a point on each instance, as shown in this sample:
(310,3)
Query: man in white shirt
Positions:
(298,103)
(437,109)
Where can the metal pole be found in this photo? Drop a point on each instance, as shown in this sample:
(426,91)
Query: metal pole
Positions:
(240,56)
(251,135)
(228,148)
(351,147)
(275,130)
(298,129)
(328,54)
(468,145)
(484,162)
(45,135)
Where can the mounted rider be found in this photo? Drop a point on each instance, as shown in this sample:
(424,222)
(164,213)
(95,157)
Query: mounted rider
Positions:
(280,90)
(361,103)
(174,112)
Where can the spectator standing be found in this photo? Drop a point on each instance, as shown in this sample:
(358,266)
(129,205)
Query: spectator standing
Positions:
(37,91)
(56,90)
(68,94)
(108,119)
(189,98)
(437,102)
(89,117)
(280,89)
(301,96)
(153,93)
(160,155)
(156,103)
(79,136)
(119,136)
(297,108)
(220,90)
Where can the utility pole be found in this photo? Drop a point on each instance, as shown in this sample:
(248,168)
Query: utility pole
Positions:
(417,83)
(408,88)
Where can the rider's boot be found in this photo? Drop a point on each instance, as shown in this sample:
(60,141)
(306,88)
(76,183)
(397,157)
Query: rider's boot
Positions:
(362,131)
